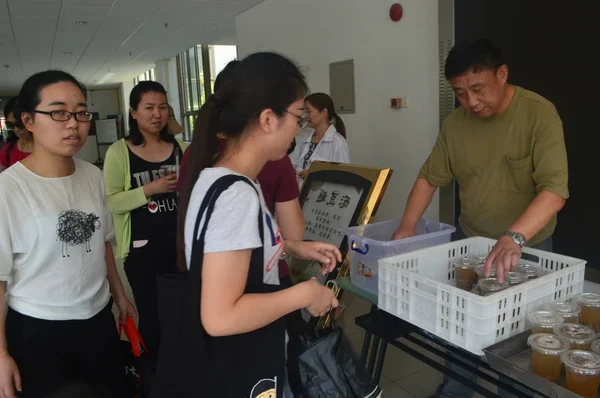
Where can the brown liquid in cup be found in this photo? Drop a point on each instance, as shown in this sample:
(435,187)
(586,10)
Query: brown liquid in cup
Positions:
(546,366)
(582,384)
(542,330)
(590,316)
(466,278)
(571,319)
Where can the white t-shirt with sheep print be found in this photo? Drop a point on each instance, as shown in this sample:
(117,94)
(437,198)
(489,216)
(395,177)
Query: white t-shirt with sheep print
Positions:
(52,242)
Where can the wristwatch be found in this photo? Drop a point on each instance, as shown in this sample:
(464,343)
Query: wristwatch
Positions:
(517,237)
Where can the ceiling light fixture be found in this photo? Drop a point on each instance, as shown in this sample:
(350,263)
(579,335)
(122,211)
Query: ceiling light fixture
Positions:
(80,22)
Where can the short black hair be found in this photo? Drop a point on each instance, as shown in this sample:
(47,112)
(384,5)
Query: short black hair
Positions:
(135,97)
(473,55)
(10,106)
(29,96)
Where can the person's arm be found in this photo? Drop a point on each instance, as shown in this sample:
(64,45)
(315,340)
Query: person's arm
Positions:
(418,201)
(287,207)
(3,164)
(119,200)
(125,306)
(551,177)
(435,172)
(230,311)
(290,219)
(10,377)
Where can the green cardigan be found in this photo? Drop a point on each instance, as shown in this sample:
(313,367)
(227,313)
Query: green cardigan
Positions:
(121,198)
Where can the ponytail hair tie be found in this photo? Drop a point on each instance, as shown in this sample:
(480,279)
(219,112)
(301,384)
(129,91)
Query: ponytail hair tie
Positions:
(218,102)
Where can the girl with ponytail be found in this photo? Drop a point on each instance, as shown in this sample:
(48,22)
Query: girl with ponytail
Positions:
(231,236)
(327,142)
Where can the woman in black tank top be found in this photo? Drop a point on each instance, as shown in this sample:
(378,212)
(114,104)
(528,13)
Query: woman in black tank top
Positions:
(148,220)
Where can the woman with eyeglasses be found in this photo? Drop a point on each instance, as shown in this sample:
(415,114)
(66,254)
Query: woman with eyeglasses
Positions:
(21,146)
(56,262)
(233,241)
(141,173)
(327,142)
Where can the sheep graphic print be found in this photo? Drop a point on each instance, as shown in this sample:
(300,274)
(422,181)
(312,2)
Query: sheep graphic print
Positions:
(75,228)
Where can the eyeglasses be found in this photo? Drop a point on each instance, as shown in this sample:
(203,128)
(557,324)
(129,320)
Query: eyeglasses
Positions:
(63,116)
(9,125)
(303,121)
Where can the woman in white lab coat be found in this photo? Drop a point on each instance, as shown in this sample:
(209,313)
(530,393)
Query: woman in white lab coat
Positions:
(327,142)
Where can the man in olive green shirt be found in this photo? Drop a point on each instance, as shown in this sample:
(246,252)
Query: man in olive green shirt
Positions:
(505,147)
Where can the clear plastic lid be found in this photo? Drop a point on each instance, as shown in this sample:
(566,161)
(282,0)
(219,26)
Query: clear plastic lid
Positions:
(588,299)
(575,334)
(465,262)
(547,344)
(564,308)
(596,346)
(479,271)
(530,270)
(584,362)
(545,319)
(491,285)
(514,278)
(478,257)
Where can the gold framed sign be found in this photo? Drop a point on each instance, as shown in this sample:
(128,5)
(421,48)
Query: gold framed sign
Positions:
(334,197)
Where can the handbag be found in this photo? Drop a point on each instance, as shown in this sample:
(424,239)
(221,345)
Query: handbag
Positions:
(329,367)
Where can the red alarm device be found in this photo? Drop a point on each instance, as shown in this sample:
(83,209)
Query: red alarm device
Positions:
(396,12)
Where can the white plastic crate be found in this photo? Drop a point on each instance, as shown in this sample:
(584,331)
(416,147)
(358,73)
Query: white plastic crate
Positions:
(369,243)
(420,288)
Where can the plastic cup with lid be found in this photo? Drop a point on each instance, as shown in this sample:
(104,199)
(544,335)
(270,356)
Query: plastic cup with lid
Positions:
(595,346)
(544,321)
(569,311)
(531,271)
(546,350)
(515,278)
(590,309)
(478,257)
(579,336)
(465,272)
(480,275)
(489,286)
(582,371)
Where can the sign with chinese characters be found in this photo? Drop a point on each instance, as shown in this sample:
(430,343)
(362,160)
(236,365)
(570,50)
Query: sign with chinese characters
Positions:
(328,210)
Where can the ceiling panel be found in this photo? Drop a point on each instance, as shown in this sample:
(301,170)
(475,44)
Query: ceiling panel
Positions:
(135,8)
(125,36)
(25,11)
(91,3)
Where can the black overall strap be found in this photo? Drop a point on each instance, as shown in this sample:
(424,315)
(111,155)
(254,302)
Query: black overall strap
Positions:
(206,208)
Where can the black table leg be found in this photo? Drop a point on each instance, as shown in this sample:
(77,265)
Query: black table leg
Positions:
(380,361)
(376,342)
(365,347)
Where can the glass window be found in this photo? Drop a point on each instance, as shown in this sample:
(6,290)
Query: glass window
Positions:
(193,84)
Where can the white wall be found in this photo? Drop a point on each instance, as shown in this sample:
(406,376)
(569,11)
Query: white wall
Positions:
(126,88)
(391,60)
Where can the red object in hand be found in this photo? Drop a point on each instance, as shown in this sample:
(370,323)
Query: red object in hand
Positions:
(396,12)
(133,336)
